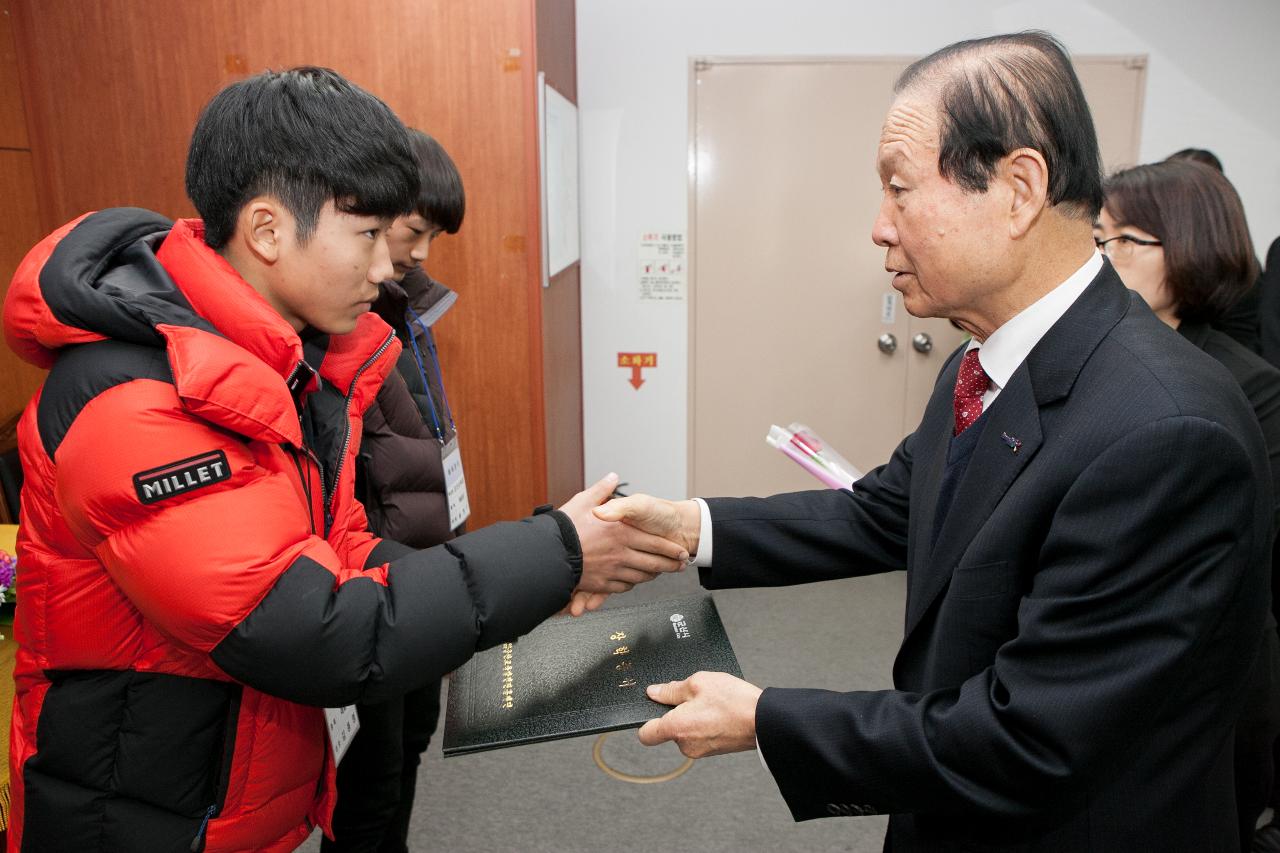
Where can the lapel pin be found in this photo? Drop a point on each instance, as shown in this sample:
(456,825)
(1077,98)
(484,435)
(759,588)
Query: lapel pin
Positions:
(1013,443)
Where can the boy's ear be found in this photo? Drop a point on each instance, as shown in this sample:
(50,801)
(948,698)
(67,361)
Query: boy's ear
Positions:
(261,228)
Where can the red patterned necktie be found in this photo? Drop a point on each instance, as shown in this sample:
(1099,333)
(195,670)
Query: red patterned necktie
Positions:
(971,384)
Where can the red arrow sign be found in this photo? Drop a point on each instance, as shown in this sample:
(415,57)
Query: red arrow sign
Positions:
(637,361)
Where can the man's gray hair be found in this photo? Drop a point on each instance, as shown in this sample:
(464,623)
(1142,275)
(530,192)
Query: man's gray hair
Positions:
(1005,92)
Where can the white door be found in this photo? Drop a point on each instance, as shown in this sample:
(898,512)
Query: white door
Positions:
(789,297)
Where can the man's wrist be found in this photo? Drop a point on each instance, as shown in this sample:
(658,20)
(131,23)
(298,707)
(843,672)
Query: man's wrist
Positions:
(700,550)
(690,524)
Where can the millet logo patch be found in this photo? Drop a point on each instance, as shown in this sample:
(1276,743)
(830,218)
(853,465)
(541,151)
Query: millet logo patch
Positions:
(182,476)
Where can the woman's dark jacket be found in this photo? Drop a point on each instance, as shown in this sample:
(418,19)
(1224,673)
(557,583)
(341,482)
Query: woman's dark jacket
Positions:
(1261,384)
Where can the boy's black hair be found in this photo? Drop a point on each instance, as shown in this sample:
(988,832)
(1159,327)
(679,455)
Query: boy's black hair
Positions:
(441,200)
(305,136)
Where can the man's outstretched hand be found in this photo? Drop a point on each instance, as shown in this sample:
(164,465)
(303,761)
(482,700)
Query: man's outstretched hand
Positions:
(714,713)
(678,521)
(615,556)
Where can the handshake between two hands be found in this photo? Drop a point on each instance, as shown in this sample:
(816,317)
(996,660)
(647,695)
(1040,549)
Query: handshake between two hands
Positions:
(626,541)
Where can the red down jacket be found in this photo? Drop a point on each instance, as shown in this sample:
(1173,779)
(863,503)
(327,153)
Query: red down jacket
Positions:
(195,579)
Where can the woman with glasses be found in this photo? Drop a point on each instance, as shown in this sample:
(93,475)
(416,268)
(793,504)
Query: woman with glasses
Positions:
(1176,233)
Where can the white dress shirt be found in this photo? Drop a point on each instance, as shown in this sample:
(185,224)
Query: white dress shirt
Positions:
(1010,344)
(1000,356)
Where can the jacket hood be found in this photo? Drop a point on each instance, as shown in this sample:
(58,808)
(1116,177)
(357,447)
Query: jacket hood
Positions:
(132,275)
(96,277)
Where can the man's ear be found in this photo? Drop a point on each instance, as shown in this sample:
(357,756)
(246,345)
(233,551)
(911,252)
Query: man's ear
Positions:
(262,228)
(1027,175)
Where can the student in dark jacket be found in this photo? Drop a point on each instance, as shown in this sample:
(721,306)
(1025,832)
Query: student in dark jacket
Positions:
(401,474)
(408,432)
(1176,233)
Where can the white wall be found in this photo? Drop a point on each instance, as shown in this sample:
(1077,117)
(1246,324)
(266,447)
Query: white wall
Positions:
(1213,82)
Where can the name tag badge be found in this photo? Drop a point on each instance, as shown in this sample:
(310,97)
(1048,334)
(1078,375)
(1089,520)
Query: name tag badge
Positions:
(343,724)
(455,483)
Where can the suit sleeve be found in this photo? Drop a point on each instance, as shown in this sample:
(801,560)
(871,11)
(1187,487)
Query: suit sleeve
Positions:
(232,568)
(1145,576)
(816,535)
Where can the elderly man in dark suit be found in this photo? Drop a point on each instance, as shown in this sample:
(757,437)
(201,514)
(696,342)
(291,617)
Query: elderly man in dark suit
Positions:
(1084,515)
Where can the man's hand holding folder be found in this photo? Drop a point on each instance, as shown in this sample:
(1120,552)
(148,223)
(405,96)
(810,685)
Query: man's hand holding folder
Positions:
(714,712)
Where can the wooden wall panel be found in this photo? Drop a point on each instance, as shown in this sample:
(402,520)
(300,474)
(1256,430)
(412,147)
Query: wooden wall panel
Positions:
(13,122)
(461,71)
(561,302)
(19,231)
(112,91)
(562,381)
(558,45)
(20,224)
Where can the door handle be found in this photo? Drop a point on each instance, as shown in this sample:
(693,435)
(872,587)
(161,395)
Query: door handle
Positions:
(922,343)
(888,344)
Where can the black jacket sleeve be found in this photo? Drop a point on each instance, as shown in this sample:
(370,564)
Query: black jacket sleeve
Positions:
(315,641)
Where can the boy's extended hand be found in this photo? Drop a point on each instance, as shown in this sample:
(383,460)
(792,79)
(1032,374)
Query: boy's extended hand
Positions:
(615,556)
(674,521)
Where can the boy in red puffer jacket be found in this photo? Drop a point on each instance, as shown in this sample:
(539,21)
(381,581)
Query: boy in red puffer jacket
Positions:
(197,581)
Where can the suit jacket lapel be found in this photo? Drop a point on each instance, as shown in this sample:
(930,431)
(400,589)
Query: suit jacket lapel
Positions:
(992,468)
(1045,377)
(928,466)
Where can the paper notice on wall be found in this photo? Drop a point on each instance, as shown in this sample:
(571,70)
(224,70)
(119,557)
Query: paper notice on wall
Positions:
(663,266)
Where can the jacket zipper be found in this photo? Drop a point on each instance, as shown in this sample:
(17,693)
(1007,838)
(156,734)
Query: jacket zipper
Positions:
(198,842)
(305,480)
(224,772)
(325,497)
(324,492)
(346,435)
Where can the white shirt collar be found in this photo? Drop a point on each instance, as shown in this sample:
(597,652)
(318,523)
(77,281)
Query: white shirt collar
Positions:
(1010,344)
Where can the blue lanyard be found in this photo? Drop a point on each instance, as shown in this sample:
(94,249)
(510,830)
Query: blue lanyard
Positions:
(411,316)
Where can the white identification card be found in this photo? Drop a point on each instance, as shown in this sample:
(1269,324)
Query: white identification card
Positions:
(455,483)
(343,724)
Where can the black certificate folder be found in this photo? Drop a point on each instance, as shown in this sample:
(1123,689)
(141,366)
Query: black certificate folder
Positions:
(579,676)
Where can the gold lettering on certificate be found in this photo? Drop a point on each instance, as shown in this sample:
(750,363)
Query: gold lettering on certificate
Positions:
(507,679)
(618,635)
(622,650)
(627,682)
(623,666)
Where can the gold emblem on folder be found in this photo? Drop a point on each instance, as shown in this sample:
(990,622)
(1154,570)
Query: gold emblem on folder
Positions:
(508,680)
